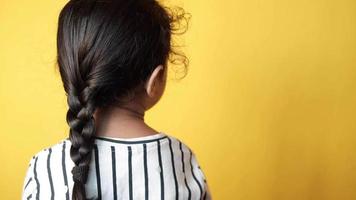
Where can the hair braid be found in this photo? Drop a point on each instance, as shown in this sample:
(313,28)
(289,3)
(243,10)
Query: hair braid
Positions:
(82,129)
(106,49)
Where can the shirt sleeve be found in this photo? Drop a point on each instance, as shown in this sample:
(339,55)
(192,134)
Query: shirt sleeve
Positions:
(206,195)
(29,184)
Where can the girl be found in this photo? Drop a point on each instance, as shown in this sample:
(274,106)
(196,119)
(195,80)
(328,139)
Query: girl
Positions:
(112,57)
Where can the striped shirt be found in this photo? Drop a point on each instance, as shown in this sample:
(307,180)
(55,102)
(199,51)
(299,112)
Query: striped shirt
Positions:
(151,167)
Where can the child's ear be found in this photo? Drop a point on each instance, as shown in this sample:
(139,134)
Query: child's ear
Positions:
(153,81)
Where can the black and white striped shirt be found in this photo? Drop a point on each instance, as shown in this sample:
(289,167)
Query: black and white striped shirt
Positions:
(155,167)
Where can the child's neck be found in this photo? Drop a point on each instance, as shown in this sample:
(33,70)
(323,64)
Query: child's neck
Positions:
(122,122)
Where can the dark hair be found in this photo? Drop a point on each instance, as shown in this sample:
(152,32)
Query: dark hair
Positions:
(105,50)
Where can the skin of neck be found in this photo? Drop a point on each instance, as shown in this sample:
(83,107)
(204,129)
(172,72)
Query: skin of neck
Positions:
(127,120)
(122,122)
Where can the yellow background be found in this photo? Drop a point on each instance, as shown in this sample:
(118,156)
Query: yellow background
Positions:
(268,105)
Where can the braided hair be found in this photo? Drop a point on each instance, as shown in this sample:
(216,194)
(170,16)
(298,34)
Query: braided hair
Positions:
(105,50)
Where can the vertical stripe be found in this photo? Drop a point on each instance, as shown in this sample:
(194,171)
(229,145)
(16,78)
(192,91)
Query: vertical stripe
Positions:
(49,173)
(97,170)
(173,169)
(64,169)
(36,179)
(205,184)
(195,178)
(114,171)
(204,197)
(161,169)
(183,168)
(130,171)
(145,170)
(29,180)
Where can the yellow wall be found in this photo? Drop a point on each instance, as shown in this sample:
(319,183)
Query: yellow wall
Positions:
(268,104)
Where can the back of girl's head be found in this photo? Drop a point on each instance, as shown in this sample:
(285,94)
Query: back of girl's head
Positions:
(106,49)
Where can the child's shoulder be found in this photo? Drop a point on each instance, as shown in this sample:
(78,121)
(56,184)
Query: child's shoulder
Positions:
(173,142)
(49,149)
(179,146)
(179,142)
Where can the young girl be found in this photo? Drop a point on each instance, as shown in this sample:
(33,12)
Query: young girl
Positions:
(112,57)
